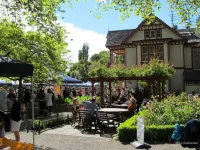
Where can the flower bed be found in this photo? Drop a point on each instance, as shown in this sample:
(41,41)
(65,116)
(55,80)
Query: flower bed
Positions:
(160,119)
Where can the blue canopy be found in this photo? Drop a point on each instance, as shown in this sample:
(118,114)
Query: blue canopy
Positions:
(2,82)
(68,79)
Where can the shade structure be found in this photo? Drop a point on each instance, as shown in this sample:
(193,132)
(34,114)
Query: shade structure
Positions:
(68,79)
(14,68)
(2,82)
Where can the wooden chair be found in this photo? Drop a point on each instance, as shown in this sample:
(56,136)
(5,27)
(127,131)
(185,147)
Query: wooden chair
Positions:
(75,117)
(104,120)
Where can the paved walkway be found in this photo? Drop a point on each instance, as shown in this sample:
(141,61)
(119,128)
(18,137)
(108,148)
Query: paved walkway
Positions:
(67,138)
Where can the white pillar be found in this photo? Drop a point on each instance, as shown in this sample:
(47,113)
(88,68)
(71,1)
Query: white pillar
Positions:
(166,57)
(166,60)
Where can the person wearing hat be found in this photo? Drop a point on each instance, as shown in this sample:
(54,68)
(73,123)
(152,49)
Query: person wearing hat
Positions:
(3,99)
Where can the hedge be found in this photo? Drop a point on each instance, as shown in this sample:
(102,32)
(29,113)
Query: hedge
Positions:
(152,133)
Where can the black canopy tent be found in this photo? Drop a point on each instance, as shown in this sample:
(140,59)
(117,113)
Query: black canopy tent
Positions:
(15,68)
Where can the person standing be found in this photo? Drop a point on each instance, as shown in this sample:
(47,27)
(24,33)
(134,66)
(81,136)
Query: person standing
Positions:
(27,97)
(138,97)
(15,117)
(49,103)
(3,99)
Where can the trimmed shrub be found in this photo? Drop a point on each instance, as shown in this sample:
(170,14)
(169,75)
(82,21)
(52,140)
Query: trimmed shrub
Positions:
(152,133)
(160,118)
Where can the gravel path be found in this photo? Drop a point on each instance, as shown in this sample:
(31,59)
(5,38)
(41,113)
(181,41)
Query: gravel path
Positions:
(48,141)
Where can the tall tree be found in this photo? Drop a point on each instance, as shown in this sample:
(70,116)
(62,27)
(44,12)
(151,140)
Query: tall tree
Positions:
(84,52)
(42,50)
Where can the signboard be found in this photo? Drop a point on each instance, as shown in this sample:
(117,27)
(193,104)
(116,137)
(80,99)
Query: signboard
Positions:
(57,89)
(140,130)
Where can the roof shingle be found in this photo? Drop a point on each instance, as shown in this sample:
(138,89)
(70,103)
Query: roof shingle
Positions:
(115,38)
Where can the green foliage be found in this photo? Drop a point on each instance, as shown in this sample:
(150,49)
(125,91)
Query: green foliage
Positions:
(102,57)
(38,123)
(147,8)
(40,14)
(153,68)
(162,116)
(81,99)
(81,68)
(154,134)
(42,50)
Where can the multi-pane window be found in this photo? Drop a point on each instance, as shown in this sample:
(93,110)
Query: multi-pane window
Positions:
(152,51)
(152,34)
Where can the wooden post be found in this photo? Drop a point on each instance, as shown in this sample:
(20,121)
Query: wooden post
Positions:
(149,89)
(20,92)
(102,92)
(163,89)
(110,93)
(159,88)
(117,59)
(154,87)
(92,88)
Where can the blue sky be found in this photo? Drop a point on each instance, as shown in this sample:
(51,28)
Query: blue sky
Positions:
(80,15)
(84,27)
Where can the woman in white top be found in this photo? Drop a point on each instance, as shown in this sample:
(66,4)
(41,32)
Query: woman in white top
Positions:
(49,102)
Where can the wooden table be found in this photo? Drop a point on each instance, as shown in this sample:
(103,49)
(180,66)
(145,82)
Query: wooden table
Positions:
(117,111)
(120,105)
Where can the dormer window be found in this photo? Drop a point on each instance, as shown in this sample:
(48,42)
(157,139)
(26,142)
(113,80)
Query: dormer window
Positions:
(152,34)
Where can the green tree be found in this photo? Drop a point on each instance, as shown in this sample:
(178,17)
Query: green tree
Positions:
(42,50)
(81,68)
(37,13)
(84,52)
(102,57)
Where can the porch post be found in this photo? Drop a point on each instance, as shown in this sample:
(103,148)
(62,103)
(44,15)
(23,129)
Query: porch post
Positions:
(117,59)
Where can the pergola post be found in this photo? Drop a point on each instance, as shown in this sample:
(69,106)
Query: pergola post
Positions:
(154,87)
(159,88)
(163,89)
(110,92)
(92,88)
(102,92)
(149,88)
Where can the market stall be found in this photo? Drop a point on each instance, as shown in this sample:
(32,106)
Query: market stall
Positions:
(12,68)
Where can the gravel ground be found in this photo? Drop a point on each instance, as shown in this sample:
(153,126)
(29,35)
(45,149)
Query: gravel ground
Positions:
(48,141)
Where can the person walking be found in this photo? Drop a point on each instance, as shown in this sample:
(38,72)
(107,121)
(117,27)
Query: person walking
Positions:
(49,103)
(3,99)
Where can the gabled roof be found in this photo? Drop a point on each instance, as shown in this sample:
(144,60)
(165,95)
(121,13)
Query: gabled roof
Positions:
(117,37)
(158,19)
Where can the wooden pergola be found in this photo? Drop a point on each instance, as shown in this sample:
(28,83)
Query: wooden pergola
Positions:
(150,80)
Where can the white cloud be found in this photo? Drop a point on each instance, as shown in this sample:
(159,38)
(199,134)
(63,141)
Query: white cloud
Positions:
(95,40)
